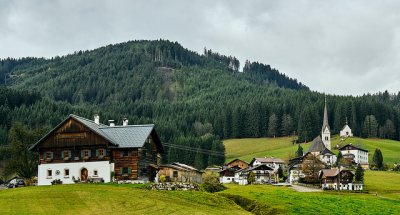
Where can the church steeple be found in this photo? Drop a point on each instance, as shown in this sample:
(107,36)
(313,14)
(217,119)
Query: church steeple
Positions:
(325,122)
(326,130)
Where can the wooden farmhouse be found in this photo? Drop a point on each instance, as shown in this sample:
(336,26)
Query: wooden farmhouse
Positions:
(82,149)
(178,172)
(263,174)
(237,163)
(333,179)
(272,162)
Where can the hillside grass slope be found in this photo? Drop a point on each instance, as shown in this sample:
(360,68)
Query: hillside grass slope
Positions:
(284,200)
(283,147)
(111,199)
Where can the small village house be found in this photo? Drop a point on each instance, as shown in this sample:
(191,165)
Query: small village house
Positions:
(227,175)
(263,174)
(330,180)
(178,172)
(355,155)
(272,162)
(80,149)
(237,163)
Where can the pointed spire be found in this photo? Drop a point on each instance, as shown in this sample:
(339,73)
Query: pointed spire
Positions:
(346,121)
(325,123)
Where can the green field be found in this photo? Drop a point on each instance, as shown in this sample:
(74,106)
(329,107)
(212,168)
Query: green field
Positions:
(282,147)
(284,200)
(111,199)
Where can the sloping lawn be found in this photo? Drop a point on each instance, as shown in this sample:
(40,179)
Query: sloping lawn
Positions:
(110,199)
(386,184)
(284,200)
(248,148)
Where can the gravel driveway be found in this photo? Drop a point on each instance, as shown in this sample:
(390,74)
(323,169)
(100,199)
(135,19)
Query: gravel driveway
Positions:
(299,188)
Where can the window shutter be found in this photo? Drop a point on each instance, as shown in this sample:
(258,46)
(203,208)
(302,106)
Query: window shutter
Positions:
(97,153)
(81,153)
(69,154)
(121,170)
(104,152)
(122,154)
(129,171)
(89,153)
(51,155)
(62,154)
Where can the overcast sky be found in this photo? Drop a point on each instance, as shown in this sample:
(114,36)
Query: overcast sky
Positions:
(339,47)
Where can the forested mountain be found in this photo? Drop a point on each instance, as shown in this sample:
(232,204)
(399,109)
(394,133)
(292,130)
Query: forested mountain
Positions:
(194,100)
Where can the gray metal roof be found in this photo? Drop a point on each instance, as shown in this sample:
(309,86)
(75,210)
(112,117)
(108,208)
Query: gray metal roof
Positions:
(128,136)
(121,136)
(317,145)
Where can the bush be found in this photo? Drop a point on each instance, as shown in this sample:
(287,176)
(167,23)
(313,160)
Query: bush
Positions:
(162,178)
(56,181)
(211,184)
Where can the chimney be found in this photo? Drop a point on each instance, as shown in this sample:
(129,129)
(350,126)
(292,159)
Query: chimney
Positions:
(111,122)
(97,119)
(125,122)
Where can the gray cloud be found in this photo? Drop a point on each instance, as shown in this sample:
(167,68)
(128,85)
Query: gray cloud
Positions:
(340,47)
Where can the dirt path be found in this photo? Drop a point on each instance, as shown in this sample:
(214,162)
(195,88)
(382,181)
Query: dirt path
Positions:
(305,189)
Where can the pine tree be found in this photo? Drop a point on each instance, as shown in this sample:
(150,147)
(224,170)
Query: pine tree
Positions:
(272,125)
(199,160)
(359,175)
(299,151)
(378,158)
(251,178)
(339,159)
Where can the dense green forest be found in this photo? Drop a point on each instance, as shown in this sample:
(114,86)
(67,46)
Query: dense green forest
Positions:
(194,99)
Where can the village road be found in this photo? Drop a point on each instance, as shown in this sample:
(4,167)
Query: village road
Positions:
(299,188)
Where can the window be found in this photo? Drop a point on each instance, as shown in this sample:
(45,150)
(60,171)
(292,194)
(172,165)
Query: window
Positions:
(49,155)
(125,171)
(66,155)
(66,173)
(49,173)
(95,173)
(101,152)
(125,153)
(175,174)
(85,154)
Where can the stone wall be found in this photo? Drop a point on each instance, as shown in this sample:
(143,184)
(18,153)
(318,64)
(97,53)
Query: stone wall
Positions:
(174,186)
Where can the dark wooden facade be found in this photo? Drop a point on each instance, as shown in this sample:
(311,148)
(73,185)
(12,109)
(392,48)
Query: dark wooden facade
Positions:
(73,141)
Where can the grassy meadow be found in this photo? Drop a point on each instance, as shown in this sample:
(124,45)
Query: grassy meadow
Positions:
(284,200)
(111,199)
(282,147)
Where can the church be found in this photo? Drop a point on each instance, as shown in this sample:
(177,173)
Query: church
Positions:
(321,145)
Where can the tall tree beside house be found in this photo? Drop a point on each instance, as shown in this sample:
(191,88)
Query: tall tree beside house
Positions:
(273,125)
(339,159)
(299,152)
(359,175)
(310,167)
(378,158)
(251,178)
(21,160)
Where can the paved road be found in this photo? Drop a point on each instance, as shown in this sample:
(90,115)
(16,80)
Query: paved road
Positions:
(305,189)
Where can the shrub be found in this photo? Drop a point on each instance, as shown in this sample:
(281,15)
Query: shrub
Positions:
(56,181)
(162,178)
(211,184)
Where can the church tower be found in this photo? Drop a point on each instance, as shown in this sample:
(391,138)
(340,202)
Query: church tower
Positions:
(326,131)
